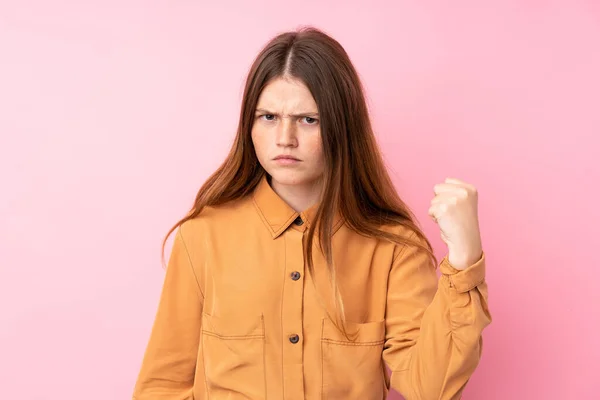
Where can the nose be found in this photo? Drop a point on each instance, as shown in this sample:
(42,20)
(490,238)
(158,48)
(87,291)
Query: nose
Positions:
(286,133)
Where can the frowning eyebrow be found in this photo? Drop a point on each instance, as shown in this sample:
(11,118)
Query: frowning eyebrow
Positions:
(304,114)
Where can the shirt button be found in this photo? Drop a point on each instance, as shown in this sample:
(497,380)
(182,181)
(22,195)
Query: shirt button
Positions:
(294,339)
(298,221)
(295,275)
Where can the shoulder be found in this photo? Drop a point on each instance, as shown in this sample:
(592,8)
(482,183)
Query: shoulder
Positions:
(213,223)
(404,233)
(399,230)
(212,217)
(410,239)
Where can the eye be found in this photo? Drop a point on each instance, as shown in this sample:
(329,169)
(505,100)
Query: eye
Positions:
(311,121)
(268,117)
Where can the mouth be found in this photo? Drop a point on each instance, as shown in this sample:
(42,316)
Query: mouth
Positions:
(285,158)
(288,161)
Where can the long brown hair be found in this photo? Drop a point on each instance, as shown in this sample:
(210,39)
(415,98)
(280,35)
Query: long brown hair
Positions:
(355,180)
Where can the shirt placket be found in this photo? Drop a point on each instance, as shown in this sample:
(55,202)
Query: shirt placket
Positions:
(293,292)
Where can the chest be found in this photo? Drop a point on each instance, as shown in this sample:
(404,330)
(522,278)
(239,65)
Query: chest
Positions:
(250,271)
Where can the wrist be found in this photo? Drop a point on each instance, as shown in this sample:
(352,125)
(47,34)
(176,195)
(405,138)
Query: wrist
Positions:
(461,260)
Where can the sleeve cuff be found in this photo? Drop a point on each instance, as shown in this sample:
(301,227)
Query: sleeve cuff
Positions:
(468,278)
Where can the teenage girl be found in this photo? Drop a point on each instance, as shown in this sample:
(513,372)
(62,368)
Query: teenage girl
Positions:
(299,273)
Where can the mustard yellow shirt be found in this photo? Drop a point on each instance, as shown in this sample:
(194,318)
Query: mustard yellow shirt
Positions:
(239,318)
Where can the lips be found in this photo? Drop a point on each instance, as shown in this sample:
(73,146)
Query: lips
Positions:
(286,158)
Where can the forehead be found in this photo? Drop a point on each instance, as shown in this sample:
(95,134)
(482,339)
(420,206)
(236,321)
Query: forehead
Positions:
(287,95)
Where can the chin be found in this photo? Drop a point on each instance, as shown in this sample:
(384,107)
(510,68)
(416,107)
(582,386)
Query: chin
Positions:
(291,178)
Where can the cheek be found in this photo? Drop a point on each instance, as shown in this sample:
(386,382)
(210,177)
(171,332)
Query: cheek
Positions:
(316,148)
(258,140)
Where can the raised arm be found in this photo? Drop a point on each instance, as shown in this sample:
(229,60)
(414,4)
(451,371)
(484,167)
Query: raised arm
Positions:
(433,326)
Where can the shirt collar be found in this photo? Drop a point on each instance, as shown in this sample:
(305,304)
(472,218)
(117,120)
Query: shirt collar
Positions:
(277,215)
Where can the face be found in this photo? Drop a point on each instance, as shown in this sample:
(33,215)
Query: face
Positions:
(287,135)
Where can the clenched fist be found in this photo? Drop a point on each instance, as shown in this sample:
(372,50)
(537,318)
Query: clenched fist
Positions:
(454,209)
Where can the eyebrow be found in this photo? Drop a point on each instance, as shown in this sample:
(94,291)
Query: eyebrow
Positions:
(304,114)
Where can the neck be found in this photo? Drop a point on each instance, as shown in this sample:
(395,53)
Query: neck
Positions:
(299,197)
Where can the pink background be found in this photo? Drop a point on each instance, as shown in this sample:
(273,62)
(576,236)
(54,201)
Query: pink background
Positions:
(112,113)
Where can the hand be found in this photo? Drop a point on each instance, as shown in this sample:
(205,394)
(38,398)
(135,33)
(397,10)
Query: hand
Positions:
(454,209)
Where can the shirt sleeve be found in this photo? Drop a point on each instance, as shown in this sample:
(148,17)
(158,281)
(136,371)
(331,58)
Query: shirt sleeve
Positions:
(433,326)
(169,363)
